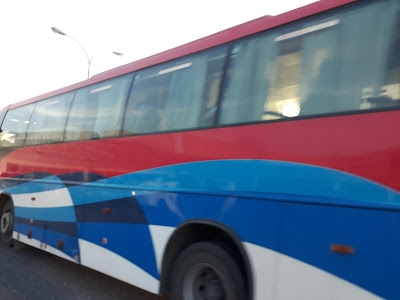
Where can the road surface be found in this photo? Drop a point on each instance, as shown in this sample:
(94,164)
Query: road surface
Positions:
(27,273)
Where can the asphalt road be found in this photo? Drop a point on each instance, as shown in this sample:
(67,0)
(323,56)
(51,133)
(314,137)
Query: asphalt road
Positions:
(28,273)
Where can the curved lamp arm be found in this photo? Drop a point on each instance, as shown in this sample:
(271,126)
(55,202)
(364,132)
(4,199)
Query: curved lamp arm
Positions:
(89,60)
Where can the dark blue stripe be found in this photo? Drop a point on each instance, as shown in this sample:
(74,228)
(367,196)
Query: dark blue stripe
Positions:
(9,182)
(71,179)
(124,210)
(68,228)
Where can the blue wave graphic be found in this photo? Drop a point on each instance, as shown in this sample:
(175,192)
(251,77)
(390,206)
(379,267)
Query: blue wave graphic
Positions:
(292,208)
(260,179)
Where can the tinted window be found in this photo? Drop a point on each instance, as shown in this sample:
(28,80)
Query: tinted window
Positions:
(391,87)
(96,111)
(48,120)
(15,125)
(250,69)
(329,64)
(177,95)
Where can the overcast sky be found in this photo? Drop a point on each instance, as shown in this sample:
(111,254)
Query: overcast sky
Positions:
(34,60)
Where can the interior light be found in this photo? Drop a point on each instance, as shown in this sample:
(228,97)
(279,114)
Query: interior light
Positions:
(307,30)
(52,102)
(180,67)
(290,109)
(106,87)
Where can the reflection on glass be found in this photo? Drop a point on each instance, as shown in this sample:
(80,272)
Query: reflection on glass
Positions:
(15,126)
(48,120)
(283,100)
(97,110)
(176,95)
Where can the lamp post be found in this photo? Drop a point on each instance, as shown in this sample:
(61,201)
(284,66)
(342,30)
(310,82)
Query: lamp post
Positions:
(89,60)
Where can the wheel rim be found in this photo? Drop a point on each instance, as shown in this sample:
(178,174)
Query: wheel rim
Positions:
(6,220)
(203,283)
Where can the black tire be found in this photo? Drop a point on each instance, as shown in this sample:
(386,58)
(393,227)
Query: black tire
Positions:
(206,270)
(7,224)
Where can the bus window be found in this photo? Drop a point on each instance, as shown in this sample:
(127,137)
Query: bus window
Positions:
(390,95)
(325,65)
(216,62)
(48,120)
(148,95)
(251,66)
(178,95)
(344,64)
(15,125)
(96,111)
(307,70)
(283,100)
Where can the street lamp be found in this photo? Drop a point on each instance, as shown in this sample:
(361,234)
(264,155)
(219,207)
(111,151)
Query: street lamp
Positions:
(56,30)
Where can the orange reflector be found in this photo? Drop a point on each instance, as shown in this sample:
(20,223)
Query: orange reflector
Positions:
(342,249)
(33,198)
(60,244)
(104,241)
(107,210)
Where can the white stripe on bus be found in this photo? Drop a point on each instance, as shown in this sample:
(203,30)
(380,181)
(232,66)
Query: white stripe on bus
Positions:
(278,276)
(110,263)
(160,236)
(54,198)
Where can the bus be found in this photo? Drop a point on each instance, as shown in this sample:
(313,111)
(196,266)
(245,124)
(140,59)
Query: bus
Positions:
(261,162)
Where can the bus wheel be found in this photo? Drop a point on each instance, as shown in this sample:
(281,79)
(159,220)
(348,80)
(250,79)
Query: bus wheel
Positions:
(206,270)
(7,224)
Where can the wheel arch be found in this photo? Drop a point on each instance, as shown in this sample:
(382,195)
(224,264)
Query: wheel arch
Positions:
(4,197)
(197,230)
(6,238)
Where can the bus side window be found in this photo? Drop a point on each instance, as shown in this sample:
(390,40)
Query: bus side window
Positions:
(306,73)
(328,64)
(143,112)
(211,92)
(182,94)
(15,125)
(344,60)
(96,110)
(391,89)
(283,97)
(250,69)
(48,120)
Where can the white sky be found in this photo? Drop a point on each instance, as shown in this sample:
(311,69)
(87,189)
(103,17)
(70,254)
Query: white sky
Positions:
(34,60)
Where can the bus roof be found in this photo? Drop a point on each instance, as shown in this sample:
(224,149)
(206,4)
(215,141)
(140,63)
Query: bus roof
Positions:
(227,35)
